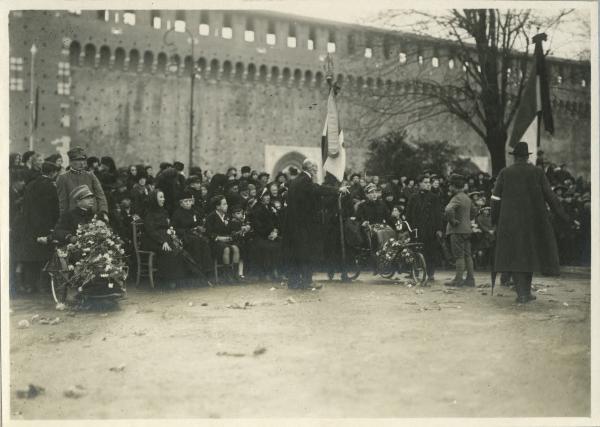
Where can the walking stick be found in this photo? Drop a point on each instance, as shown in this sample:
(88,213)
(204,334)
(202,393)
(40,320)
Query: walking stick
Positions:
(342,240)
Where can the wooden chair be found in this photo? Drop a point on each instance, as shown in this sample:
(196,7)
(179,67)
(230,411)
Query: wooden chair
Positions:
(221,266)
(145,268)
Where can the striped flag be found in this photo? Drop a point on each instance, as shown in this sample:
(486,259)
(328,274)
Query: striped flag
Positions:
(535,104)
(333,152)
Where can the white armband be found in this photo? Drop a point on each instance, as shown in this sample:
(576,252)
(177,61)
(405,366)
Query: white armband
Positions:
(495,197)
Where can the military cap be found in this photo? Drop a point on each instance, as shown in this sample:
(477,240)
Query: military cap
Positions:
(77,153)
(81,192)
(370,188)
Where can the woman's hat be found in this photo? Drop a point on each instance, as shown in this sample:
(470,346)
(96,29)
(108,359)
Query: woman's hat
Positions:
(521,149)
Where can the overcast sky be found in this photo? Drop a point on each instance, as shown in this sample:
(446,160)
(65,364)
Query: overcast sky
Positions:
(568,40)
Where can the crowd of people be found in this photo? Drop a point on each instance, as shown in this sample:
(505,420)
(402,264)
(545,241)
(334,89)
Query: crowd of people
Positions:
(240,219)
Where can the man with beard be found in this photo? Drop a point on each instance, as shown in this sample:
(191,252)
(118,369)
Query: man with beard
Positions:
(424,212)
(301,223)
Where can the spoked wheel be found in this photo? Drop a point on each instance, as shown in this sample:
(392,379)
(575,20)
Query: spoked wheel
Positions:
(59,287)
(352,268)
(387,270)
(418,269)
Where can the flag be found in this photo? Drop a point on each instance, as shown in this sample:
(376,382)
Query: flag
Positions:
(535,104)
(333,152)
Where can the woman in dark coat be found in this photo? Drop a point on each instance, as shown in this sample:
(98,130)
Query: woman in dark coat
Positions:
(267,241)
(40,214)
(157,238)
(168,182)
(188,227)
(220,235)
(107,173)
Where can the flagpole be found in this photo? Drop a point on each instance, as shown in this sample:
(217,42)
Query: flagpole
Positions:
(32,97)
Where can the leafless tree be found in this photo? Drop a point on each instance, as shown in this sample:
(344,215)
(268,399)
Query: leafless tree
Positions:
(488,65)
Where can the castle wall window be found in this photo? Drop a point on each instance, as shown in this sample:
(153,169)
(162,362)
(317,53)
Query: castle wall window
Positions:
(312,39)
(271,37)
(435,62)
(451,64)
(249,35)
(155,20)
(129,18)
(74,52)
(63,88)
(368,52)
(16,83)
(204,29)
(331,47)
(227,30)
(402,58)
(16,64)
(291,42)
(64,69)
(179,26)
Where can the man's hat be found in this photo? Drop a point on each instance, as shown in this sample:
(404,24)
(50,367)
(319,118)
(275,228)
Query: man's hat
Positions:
(236,208)
(521,149)
(246,169)
(185,195)
(76,153)
(194,179)
(370,188)
(354,175)
(81,192)
(457,180)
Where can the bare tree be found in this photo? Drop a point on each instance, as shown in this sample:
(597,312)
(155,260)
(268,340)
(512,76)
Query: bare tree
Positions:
(482,85)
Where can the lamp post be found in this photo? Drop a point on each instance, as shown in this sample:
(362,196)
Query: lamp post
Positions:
(192,83)
(32,107)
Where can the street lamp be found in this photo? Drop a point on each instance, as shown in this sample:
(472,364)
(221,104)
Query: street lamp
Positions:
(172,67)
(32,106)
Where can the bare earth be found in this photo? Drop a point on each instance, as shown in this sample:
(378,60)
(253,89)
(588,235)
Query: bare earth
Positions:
(373,348)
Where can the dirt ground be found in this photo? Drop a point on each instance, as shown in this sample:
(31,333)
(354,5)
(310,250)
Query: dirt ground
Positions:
(373,348)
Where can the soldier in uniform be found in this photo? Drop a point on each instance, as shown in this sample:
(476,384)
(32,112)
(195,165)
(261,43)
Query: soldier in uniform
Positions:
(525,241)
(76,177)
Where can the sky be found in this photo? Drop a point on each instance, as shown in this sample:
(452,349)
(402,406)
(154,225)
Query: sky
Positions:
(568,40)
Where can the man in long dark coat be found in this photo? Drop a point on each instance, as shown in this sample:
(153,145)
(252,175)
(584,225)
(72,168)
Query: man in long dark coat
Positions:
(525,242)
(424,212)
(302,219)
(40,213)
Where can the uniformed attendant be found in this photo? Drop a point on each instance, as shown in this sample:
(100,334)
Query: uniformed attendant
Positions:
(525,242)
(83,212)
(76,177)
(458,213)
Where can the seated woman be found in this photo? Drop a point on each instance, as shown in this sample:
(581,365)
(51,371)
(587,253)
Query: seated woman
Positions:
(189,228)
(267,242)
(219,232)
(157,237)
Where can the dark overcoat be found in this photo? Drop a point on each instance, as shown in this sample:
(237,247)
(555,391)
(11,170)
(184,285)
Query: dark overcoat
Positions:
(525,240)
(303,219)
(424,212)
(40,214)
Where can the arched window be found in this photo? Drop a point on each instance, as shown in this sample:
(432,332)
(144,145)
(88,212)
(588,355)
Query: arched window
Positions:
(318,79)
(227,70)
(297,76)
(148,60)
(174,63)
(214,68)
(104,57)
(134,60)
(239,71)
(161,62)
(286,75)
(251,72)
(262,73)
(201,64)
(74,52)
(90,55)
(308,77)
(187,65)
(119,59)
(274,74)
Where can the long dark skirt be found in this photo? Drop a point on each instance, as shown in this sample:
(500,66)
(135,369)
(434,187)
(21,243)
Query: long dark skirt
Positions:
(267,255)
(199,249)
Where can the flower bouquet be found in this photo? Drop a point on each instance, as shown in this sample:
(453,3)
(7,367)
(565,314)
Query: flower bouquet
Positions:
(96,259)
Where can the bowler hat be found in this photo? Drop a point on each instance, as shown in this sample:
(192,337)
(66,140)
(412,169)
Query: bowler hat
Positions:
(521,149)
(81,192)
(76,153)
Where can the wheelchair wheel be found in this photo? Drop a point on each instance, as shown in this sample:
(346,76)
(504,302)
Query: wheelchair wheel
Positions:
(387,270)
(59,287)
(418,269)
